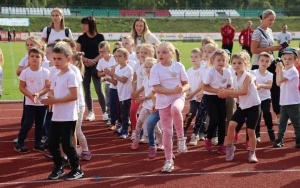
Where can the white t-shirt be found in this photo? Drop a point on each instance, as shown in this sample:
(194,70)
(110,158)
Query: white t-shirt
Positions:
(263,93)
(80,100)
(289,92)
(102,65)
(251,98)
(148,90)
(60,84)
(124,89)
(195,77)
(282,37)
(139,71)
(54,35)
(167,77)
(131,63)
(203,63)
(133,57)
(150,39)
(216,80)
(35,82)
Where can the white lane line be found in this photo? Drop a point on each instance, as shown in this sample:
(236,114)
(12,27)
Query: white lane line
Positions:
(99,178)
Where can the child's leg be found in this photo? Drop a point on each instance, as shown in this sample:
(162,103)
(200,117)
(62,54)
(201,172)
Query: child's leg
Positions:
(190,115)
(113,98)
(98,88)
(167,124)
(253,114)
(293,111)
(133,113)
(40,116)
(176,112)
(144,113)
(125,108)
(200,118)
(283,122)
(80,136)
(67,136)
(211,107)
(54,142)
(107,101)
(265,107)
(151,121)
(222,121)
(29,115)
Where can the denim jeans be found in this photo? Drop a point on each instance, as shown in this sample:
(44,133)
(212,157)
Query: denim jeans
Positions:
(151,121)
(32,114)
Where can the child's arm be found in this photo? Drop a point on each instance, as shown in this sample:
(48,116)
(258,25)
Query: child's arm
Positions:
(208,88)
(22,88)
(267,85)
(101,74)
(137,92)
(134,81)
(44,90)
(112,73)
(224,93)
(20,69)
(71,97)
(279,76)
(178,89)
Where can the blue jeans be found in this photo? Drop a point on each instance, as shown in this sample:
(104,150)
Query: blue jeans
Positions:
(32,114)
(151,121)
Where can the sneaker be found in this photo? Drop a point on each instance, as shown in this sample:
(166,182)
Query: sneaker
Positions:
(21,149)
(160,147)
(44,140)
(278,143)
(271,135)
(252,157)
(105,116)
(86,155)
(108,122)
(16,140)
(181,143)
(247,145)
(47,154)
(134,145)
(152,152)
(56,173)
(123,134)
(133,135)
(222,150)
(230,153)
(144,140)
(208,144)
(90,116)
(39,148)
(194,140)
(258,139)
(214,141)
(74,174)
(168,166)
(202,136)
(236,137)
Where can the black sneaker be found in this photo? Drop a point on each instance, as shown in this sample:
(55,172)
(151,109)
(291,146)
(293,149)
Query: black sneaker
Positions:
(271,135)
(74,174)
(56,173)
(21,149)
(278,143)
(39,148)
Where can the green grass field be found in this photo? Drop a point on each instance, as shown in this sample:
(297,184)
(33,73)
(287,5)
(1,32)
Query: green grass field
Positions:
(14,51)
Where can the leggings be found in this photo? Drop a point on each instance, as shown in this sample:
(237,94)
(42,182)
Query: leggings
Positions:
(80,136)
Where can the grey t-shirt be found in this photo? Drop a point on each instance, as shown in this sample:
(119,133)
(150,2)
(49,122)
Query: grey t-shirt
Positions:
(263,41)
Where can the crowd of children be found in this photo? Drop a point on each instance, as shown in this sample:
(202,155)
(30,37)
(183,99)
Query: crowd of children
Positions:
(146,87)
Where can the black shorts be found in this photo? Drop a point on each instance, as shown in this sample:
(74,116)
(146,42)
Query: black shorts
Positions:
(248,115)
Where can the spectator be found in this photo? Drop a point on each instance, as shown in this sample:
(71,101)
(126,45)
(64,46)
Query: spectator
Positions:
(245,37)
(227,32)
(8,35)
(282,37)
(14,35)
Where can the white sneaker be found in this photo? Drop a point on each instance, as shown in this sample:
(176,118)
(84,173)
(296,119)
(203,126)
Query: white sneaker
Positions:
(108,122)
(133,135)
(194,140)
(90,116)
(15,140)
(144,140)
(181,145)
(168,166)
(201,136)
(214,141)
(258,139)
(105,116)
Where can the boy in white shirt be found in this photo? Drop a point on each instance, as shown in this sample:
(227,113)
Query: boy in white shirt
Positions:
(288,80)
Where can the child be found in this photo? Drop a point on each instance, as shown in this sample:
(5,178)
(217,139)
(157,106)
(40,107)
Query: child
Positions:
(249,104)
(63,96)
(33,81)
(122,78)
(118,44)
(170,81)
(1,71)
(195,75)
(216,77)
(107,61)
(288,80)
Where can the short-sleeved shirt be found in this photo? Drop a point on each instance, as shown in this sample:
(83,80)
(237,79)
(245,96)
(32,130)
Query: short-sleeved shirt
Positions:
(80,100)
(60,85)
(167,77)
(148,90)
(263,41)
(263,93)
(54,35)
(150,39)
(289,92)
(282,37)
(35,82)
(103,65)
(124,89)
(139,71)
(195,77)
(90,45)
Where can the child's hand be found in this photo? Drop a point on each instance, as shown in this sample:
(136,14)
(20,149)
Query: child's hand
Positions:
(258,86)
(153,109)
(35,97)
(222,93)
(48,101)
(178,89)
(279,65)
(188,96)
(199,96)
(48,85)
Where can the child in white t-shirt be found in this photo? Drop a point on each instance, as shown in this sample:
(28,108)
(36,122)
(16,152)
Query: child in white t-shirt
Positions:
(170,82)
(63,97)
(33,82)
(288,80)
(122,76)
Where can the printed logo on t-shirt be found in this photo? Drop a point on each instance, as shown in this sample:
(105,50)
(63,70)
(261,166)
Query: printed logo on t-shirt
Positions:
(224,81)
(31,79)
(196,74)
(173,74)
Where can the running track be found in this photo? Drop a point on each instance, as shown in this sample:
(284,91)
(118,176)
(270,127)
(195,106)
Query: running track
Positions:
(113,163)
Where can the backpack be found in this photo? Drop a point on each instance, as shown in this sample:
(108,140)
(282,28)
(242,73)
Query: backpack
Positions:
(67,31)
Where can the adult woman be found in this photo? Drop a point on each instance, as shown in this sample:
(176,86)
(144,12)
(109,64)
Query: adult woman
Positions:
(141,33)
(88,43)
(263,41)
(57,29)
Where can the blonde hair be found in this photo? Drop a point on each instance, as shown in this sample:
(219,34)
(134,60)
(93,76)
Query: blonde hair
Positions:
(77,57)
(198,51)
(264,54)
(267,13)
(63,48)
(71,42)
(119,43)
(123,51)
(218,52)
(212,46)
(244,56)
(62,21)
(171,48)
(129,37)
(206,41)
(38,42)
(150,60)
(104,44)
(149,47)
(1,58)
(145,32)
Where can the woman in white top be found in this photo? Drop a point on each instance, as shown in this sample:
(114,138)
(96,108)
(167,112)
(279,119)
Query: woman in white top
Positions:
(141,33)
(57,29)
